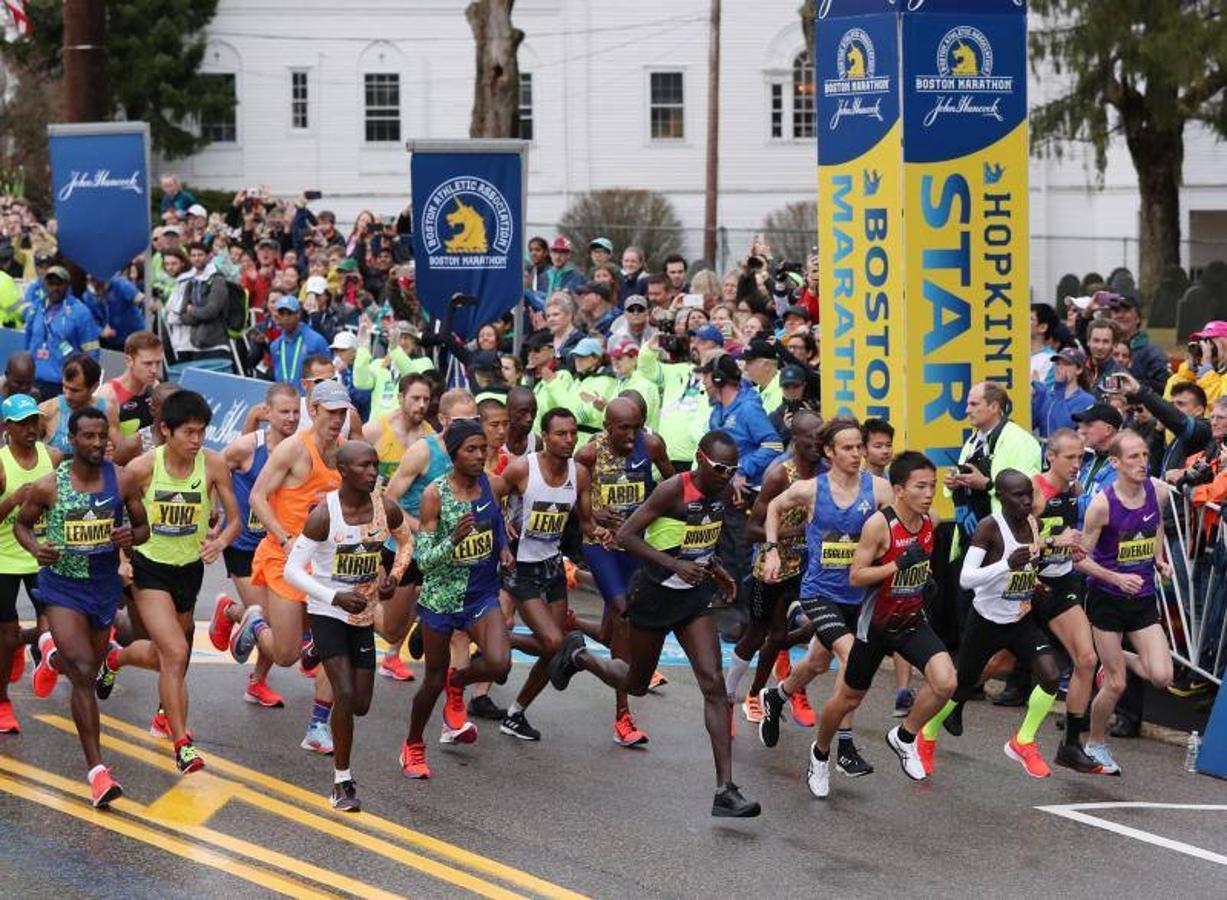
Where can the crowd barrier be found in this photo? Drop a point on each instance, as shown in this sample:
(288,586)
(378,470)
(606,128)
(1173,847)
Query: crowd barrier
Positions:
(231,398)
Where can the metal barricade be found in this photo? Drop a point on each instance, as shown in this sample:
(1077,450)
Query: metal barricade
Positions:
(1193,602)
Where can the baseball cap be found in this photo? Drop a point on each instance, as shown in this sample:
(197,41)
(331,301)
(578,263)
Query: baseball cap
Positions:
(623,346)
(1214,329)
(268,242)
(708,332)
(171,229)
(797,310)
(197,210)
(288,302)
(1071,355)
(18,407)
(56,272)
(1100,412)
(587,347)
(722,367)
(347,264)
(792,375)
(331,394)
(484,360)
(561,244)
(317,284)
(759,349)
(595,287)
(603,242)
(345,340)
(635,300)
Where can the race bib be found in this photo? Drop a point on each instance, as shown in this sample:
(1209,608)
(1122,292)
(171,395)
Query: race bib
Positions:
(1140,549)
(356,563)
(837,549)
(911,581)
(622,494)
(175,513)
(475,549)
(254,523)
(700,539)
(87,530)
(546,520)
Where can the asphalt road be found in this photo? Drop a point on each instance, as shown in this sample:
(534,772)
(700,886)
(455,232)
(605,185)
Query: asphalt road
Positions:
(577,813)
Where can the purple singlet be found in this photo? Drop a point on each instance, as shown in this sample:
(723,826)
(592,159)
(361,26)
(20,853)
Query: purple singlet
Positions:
(1127,543)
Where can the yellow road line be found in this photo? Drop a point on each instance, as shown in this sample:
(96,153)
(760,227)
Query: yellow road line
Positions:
(301,797)
(296,815)
(202,833)
(193,852)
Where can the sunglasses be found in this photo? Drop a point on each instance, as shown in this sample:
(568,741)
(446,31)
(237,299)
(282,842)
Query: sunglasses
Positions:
(721,468)
(315,381)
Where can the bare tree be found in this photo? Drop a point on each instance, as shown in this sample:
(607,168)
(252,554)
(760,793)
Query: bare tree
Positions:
(792,230)
(645,219)
(496,89)
(29,101)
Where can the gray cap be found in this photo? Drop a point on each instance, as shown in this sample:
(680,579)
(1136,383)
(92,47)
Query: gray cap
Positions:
(331,395)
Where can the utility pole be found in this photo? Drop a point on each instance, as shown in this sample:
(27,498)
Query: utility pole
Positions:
(85,74)
(713,135)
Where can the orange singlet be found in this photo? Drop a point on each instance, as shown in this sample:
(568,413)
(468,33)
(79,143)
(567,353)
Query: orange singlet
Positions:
(292,506)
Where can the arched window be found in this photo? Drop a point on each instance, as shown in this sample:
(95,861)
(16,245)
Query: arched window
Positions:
(802,96)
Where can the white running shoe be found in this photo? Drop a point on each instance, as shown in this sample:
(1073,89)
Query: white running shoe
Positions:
(818,776)
(909,756)
(1102,755)
(466,734)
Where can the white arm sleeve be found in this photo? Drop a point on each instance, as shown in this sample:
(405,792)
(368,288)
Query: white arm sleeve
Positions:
(297,575)
(974,573)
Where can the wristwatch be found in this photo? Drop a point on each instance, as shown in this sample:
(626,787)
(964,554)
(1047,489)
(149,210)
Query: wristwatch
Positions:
(768,545)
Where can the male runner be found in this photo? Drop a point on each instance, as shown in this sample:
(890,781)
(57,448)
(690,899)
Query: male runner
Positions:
(619,463)
(1123,537)
(342,542)
(177,481)
(246,457)
(1000,568)
(315,369)
(770,599)
(126,398)
(81,376)
(521,413)
(675,533)
(548,484)
(891,562)
(84,502)
(461,545)
(835,507)
(149,436)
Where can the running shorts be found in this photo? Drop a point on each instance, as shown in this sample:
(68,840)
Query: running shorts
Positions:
(654,607)
(611,570)
(546,579)
(333,638)
(238,562)
(831,620)
(917,645)
(983,639)
(96,599)
(444,623)
(766,597)
(411,575)
(9,586)
(268,570)
(181,582)
(1109,612)
(1064,593)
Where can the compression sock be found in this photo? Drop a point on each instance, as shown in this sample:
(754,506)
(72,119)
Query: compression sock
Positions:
(844,736)
(1038,706)
(320,711)
(737,671)
(1074,726)
(933,727)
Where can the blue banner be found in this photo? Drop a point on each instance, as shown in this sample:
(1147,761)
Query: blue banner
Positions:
(100,183)
(230,397)
(468,226)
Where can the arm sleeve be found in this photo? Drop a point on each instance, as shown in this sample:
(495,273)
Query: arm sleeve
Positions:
(975,574)
(1168,415)
(297,575)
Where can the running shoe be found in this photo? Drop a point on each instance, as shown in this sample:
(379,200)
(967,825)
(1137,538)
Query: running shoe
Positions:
(221,626)
(517,726)
(562,666)
(482,707)
(802,713)
(1073,756)
(658,680)
(417,649)
(455,716)
(818,775)
(905,698)
(954,722)
(259,693)
(465,734)
(928,752)
(848,761)
(308,659)
(392,667)
(103,789)
(188,759)
(731,805)
(8,721)
(1102,755)
(626,734)
(413,760)
(45,675)
(318,738)
(243,640)
(1187,685)
(159,726)
(752,709)
(783,666)
(345,797)
(774,709)
(909,757)
(105,682)
(1030,757)
(19,664)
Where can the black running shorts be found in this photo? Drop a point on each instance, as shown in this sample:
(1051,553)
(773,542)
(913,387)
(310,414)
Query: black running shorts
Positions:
(654,607)
(546,580)
(982,639)
(10,585)
(411,575)
(767,596)
(181,582)
(332,638)
(1108,612)
(1064,593)
(832,620)
(917,645)
(238,562)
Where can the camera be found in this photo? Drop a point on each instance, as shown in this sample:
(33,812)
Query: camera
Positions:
(1199,473)
(676,346)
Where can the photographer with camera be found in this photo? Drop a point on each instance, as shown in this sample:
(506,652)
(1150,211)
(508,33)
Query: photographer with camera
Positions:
(684,407)
(1206,365)
(1184,418)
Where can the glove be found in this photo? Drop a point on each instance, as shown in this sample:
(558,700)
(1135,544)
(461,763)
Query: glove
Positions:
(914,555)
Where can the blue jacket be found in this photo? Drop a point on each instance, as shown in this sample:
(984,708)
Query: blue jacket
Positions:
(289,355)
(568,278)
(1150,365)
(1052,408)
(118,308)
(746,421)
(53,335)
(1095,475)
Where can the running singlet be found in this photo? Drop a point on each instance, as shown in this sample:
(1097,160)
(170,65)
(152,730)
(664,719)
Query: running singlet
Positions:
(439,464)
(348,559)
(178,511)
(898,605)
(14,560)
(253,529)
(59,439)
(831,537)
(1007,598)
(545,513)
(1060,513)
(621,483)
(790,550)
(467,572)
(389,449)
(79,526)
(134,411)
(292,505)
(693,538)
(1127,543)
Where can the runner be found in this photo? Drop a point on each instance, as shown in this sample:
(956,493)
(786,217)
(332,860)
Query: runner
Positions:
(835,507)
(24,460)
(1060,610)
(891,562)
(81,376)
(521,413)
(548,483)
(149,436)
(771,599)
(83,502)
(674,533)
(245,458)
(177,480)
(296,477)
(341,542)
(1000,567)
(1123,537)
(128,395)
(619,463)
(462,543)
(315,369)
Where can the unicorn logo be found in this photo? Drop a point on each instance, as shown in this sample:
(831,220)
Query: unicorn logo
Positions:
(471,234)
(965,65)
(854,62)
(855,59)
(965,52)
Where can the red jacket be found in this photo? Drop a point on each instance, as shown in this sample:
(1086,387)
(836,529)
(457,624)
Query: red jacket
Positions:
(810,302)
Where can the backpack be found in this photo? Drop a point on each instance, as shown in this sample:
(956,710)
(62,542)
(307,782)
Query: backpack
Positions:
(236,309)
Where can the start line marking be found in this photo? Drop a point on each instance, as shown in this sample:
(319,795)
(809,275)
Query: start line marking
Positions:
(1074,812)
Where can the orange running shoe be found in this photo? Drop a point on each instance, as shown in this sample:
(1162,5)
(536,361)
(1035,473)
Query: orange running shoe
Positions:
(927,750)
(658,680)
(19,664)
(1030,757)
(455,714)
(103,789)
(802,712)
(45,675)
(221,626)
(626,734)
(752,709)
(392,667)
(8,721)
(260,694)
(783,666)
(413,760)
(159,727)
